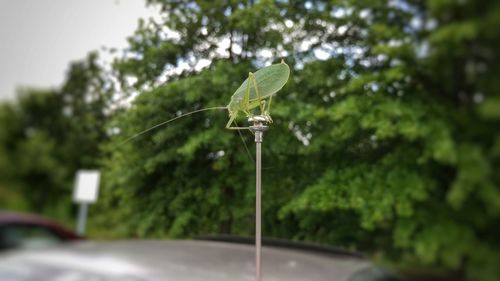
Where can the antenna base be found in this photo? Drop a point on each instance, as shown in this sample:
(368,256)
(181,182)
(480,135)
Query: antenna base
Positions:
(259,126)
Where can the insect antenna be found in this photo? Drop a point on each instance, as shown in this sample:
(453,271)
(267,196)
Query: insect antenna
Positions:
(168,121)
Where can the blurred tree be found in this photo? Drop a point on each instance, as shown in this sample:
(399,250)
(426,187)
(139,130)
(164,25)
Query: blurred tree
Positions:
(385,139)
(48,134)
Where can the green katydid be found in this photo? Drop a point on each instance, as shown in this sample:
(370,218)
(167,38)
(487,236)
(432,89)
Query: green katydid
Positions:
(256,91)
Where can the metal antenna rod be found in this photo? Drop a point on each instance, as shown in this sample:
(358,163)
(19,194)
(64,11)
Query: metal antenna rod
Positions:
(258,128)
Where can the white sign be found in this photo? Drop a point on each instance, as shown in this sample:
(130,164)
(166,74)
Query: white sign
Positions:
(86,186)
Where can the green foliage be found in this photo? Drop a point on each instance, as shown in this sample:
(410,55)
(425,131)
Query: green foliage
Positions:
(385,139)
(388,145)
(171,156)
(47,135)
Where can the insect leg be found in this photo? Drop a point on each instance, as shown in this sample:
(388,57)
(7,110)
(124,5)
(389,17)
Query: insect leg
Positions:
(246,101)
(246,97)
(254,81)
(238,128)
(268,110)
(269,104)
(231,120)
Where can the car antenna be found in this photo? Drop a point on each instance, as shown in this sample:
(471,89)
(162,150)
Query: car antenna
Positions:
(258,127)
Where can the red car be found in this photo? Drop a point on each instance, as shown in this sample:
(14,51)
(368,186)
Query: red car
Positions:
(18,230)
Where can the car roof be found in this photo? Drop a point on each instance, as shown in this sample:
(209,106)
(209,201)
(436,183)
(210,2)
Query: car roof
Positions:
(281,243)
(180,260)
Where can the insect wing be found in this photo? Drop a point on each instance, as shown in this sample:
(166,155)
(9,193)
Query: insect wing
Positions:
(269,80)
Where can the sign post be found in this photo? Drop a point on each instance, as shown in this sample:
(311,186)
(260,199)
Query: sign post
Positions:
(85,193)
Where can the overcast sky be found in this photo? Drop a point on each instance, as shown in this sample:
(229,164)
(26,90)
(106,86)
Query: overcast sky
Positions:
(38,38)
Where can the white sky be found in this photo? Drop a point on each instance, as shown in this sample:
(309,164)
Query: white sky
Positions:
(38,38)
